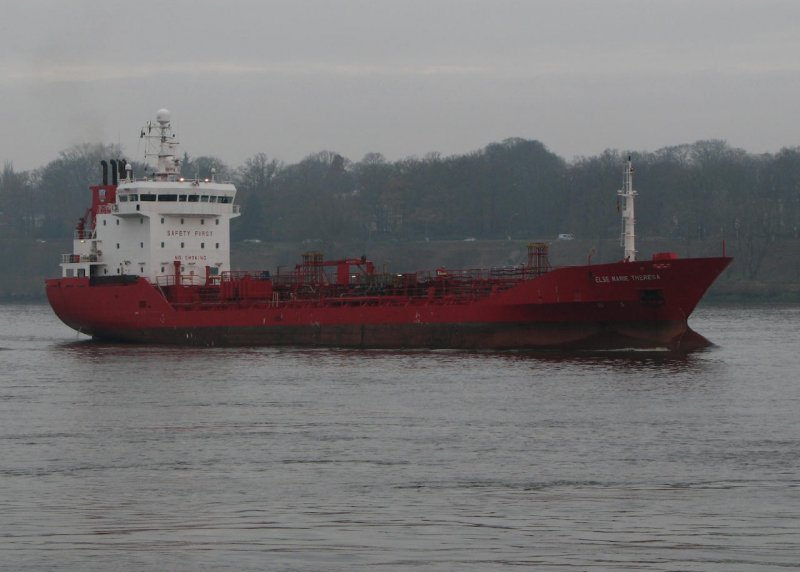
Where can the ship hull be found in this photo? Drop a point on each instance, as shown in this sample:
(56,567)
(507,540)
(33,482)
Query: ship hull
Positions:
(675,336)
(605,306)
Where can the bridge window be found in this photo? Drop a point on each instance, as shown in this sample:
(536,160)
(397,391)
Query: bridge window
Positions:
(204,199)
(193,198)
(182,198)
(147,197)
(133,198)
(123,198)
(212,199)
(168,198)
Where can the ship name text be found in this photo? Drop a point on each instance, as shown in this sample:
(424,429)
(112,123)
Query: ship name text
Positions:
(614,278)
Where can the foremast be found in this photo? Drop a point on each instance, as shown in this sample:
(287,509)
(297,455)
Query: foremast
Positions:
(627,194)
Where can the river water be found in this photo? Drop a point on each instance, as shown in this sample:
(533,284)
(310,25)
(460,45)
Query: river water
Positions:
(120,457)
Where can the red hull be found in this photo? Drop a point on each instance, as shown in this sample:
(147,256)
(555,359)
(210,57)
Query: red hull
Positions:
(638,304)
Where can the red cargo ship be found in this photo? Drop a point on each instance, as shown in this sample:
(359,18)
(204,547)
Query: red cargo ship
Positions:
(151,264)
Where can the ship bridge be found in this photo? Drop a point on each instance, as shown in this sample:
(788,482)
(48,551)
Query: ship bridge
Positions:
(151,227)
(143,198)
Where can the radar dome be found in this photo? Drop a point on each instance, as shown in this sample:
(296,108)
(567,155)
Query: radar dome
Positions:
(162,116)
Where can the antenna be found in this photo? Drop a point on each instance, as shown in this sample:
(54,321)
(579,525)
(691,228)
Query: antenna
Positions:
(159,135)
(628,235)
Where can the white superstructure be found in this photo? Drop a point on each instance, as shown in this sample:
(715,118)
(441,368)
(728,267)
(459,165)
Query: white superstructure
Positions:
(158,226)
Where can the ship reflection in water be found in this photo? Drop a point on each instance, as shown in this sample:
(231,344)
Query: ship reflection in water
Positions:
(89,350)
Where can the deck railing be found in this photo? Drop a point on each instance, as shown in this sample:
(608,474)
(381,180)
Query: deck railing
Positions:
(77,258)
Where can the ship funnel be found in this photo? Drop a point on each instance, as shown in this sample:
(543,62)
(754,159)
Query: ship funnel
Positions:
(121,168)
(105,171)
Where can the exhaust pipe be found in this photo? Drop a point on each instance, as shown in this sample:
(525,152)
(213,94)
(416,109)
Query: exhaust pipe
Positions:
(121,165)
(113,172)
(105,171)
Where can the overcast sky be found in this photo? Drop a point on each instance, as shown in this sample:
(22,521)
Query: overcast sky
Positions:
(405,77)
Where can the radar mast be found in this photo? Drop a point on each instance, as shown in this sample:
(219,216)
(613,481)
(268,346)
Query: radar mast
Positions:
(160,142)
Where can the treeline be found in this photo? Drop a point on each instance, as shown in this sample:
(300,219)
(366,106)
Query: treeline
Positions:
(513,189)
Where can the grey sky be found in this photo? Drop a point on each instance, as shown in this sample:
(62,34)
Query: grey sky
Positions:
(402,77)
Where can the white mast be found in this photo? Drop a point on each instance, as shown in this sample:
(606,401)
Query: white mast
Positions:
(164,139)
(628,237)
